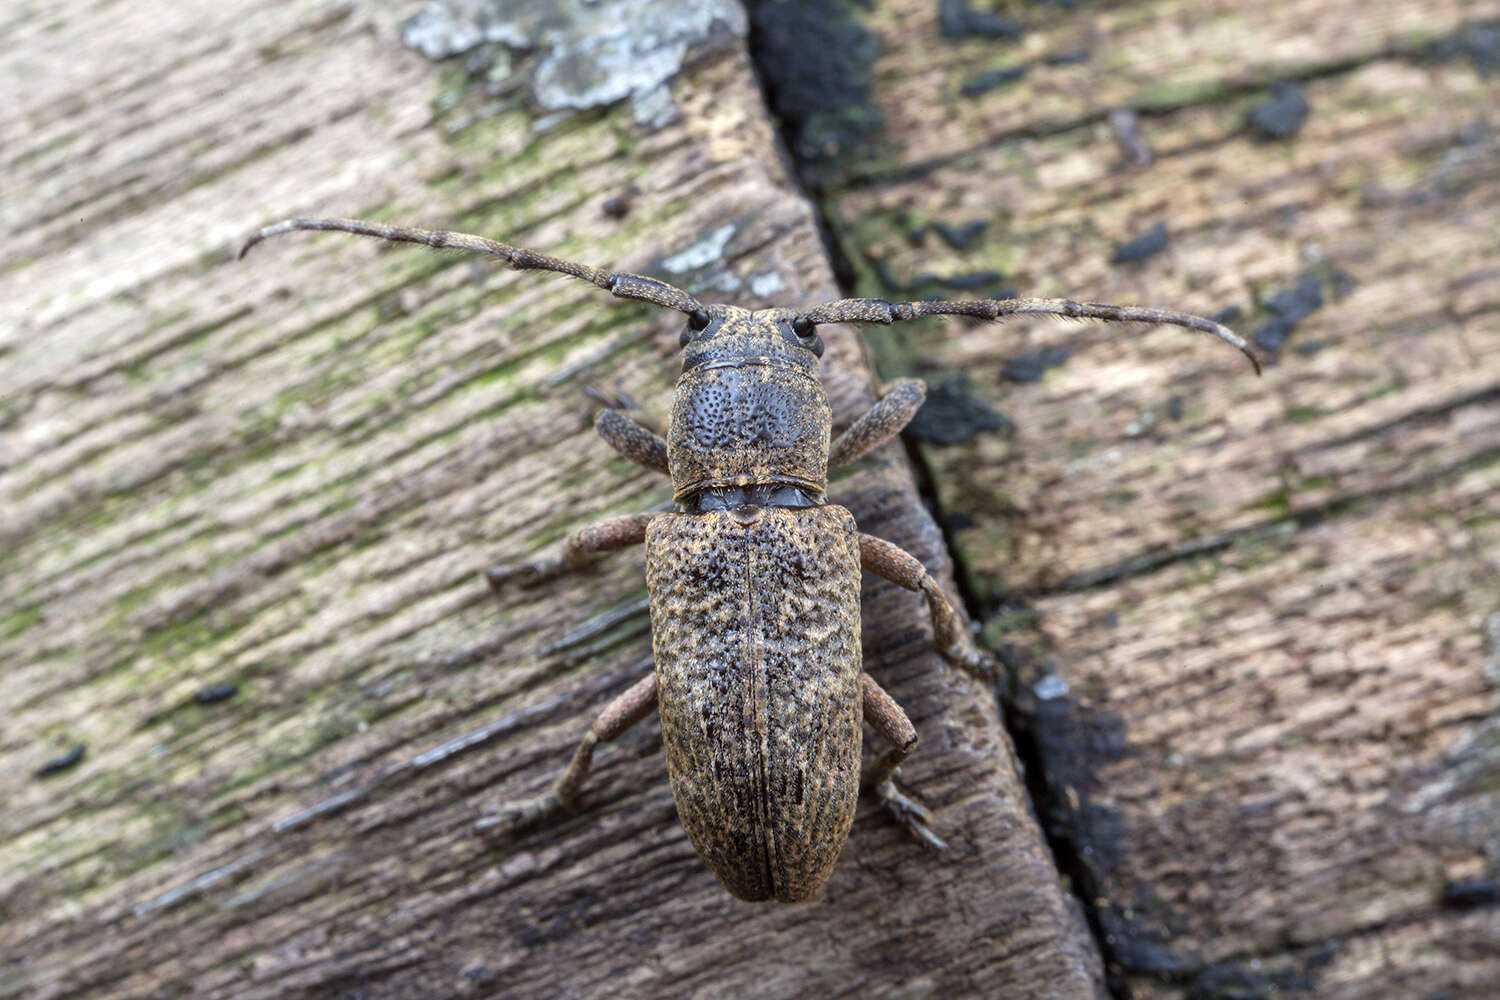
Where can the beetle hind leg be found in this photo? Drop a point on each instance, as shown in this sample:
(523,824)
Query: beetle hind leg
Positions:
(618,716)
(888,719)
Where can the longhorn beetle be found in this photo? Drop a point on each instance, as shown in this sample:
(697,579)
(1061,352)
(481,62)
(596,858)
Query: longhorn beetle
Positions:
(754,579)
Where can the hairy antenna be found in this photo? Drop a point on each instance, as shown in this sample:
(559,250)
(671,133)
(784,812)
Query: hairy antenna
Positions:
(618,283)
(882,312)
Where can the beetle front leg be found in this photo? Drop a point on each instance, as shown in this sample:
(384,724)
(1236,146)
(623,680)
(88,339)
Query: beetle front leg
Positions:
(630,438)
(887,718)
(881,422)
(578,550)
(618,716)
(953,641)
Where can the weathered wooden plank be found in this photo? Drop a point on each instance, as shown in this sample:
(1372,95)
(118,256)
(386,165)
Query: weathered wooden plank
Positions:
(1070,68)
(284,474)
(1270,604)
(1350,211)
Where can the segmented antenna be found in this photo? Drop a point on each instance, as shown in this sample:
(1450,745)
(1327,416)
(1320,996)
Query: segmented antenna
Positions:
(641,288)
(619,283)
(882,312)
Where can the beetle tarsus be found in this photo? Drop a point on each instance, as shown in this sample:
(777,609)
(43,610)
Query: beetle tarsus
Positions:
(909,813)
(525,574)
(517,816)
(969,657)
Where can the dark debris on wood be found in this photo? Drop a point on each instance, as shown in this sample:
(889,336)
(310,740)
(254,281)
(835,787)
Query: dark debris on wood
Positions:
(952,414)
(1150,243)
(956,19)
(1282,116)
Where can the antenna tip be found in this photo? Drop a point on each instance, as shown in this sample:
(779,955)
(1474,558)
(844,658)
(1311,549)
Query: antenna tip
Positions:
(1235,340)
(265,232)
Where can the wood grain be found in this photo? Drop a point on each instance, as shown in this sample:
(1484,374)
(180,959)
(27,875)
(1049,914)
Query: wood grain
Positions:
(286,474)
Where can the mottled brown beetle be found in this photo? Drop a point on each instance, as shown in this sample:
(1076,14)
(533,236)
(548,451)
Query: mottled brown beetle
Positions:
(754,579)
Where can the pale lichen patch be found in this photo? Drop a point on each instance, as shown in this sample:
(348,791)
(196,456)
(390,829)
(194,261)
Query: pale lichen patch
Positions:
(590,54)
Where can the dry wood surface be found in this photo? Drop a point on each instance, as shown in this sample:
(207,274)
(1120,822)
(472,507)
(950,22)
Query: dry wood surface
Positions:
(1255,624)
(255,692)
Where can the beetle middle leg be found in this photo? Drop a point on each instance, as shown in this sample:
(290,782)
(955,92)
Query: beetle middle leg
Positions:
(618,716)
(951,638)
(888,719)
(578,550)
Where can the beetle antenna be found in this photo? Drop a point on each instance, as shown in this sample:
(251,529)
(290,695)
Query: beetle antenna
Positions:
(882,312)
(618,283)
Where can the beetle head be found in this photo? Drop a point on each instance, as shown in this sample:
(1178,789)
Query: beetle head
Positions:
(729,333)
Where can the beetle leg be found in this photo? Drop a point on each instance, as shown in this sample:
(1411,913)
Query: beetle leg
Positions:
(882,712)
(899,566)
(637,443)
(881,422)
(579,549)
(619,715)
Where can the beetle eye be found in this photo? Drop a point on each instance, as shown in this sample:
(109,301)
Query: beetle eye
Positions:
(696,324)
(807,335)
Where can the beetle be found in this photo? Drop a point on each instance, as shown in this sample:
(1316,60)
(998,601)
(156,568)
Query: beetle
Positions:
(754,578)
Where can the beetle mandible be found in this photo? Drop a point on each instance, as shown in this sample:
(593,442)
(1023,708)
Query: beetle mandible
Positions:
(754,579)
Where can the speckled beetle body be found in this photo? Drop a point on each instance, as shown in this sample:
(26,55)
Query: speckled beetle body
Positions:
(755,614)
(755,579)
